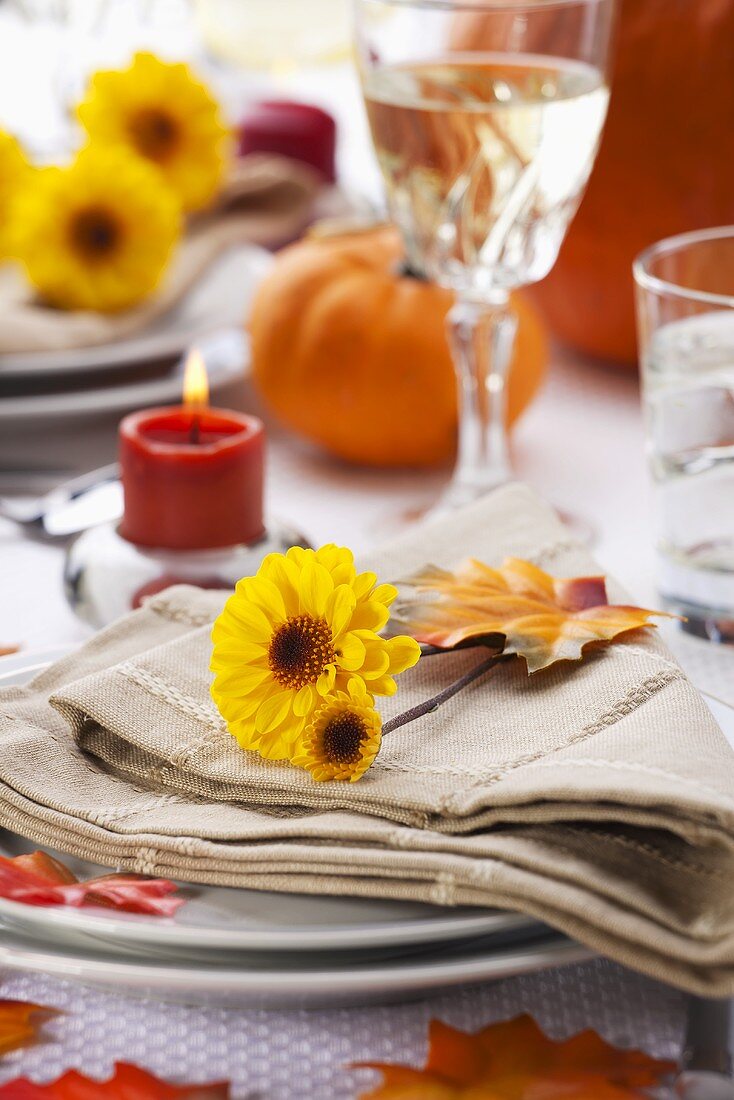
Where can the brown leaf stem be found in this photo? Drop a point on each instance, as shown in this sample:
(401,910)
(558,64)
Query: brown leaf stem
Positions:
(432,704)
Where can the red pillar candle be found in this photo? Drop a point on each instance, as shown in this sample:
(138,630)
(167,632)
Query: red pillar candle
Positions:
(192,478)
(296,130)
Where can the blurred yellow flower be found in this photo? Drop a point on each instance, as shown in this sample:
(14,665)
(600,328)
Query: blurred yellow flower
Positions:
(343,737)
(304,626)
(15,172)
(96,235)
(166,115)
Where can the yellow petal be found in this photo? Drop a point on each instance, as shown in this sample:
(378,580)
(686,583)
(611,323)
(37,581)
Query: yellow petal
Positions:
(363,584)
(385,593)
(250,619)
(339,608)
(315,588)
(385,685)
(326,680)
(404,652)
(305,701)
(351,652)
(273,712)
(369,615)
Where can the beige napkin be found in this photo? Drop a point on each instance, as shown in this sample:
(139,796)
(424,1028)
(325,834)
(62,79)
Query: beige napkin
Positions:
(598,797)
(267,200)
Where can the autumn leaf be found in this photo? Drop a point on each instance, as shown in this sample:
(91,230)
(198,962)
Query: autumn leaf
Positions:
(6,650)
(542,618)
(18,1023)
(39,879)
(127,1083)
(516,1061)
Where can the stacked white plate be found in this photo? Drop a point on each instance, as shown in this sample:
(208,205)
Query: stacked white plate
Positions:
(244,947)
(59,410)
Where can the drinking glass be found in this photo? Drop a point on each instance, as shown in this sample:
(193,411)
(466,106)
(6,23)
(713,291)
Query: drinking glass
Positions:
(486,117)
(685,305)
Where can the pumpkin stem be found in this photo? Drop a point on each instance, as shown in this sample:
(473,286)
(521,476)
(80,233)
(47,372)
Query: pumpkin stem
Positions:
(407,271)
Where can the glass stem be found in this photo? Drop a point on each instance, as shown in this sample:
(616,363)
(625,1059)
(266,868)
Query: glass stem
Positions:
(482,338)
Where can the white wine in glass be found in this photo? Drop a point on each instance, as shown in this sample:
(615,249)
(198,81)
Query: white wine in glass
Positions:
(486,117)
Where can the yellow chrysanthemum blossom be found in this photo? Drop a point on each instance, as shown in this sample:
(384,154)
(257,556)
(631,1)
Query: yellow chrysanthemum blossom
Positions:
(343,737)
(302,628)
(163,113)
(98,234)
(15,173)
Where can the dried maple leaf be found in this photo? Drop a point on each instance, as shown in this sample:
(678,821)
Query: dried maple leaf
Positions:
(516,1061)
(127,1083)
(542,618)
(18,1023)
(38,879)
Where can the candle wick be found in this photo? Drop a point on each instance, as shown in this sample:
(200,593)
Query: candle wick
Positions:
(195,430)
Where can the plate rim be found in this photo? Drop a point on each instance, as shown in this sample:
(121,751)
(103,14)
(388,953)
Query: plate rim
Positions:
(30,364)
(164,932)
(388,976)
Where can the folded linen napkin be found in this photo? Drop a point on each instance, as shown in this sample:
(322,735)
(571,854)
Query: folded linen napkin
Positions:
(266,200)
(598,797)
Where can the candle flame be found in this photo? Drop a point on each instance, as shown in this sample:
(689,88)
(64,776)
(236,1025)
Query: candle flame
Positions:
(196,384)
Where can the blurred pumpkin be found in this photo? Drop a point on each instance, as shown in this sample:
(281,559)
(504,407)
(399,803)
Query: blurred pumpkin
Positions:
(666,163)
(350,351)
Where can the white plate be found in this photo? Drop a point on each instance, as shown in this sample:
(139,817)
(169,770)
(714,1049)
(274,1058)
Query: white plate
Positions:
(218,301)
(216,919)
(344,984)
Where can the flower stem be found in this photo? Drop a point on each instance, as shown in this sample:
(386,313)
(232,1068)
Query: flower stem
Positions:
(429,705)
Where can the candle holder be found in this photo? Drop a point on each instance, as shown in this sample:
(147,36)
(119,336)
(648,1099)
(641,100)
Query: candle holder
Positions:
(106,576)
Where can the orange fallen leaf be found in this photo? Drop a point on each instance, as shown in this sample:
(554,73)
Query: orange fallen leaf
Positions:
(19,1023)
(516,1061)
(127,1083)
(542,618)
(39,879)
(6,650)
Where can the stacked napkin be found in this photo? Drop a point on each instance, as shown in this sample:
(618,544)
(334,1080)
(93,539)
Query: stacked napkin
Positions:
(266,200)
(598,796)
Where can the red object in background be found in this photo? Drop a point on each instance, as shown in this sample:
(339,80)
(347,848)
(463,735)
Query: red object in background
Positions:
(296,130)
(192,479)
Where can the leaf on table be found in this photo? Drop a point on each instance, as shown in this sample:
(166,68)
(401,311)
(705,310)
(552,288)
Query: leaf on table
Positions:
(39,879)
(127,1083)
(6,650)
(516,1061)
(19,1022)
(542,618)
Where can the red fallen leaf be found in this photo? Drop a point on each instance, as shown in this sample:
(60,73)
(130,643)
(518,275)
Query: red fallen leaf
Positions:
(127,1083)
(39,879)
(18,1023)
(516,1061)
(542,618)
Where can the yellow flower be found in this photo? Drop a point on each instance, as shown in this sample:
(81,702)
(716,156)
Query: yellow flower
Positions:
(98,234)
(164,114)
(15,172)
(343,737)
(304,626)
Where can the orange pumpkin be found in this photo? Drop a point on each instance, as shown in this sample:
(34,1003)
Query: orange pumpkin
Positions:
(666,165)
(351,353)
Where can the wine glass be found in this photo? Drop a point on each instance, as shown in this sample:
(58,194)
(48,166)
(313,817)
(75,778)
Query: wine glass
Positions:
(486,117)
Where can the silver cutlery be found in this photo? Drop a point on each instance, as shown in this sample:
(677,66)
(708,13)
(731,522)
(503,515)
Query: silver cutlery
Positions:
(73,506)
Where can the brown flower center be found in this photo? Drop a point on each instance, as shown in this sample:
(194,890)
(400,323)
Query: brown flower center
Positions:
(95,232)
(300,650)
(342,738)
(154,133)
